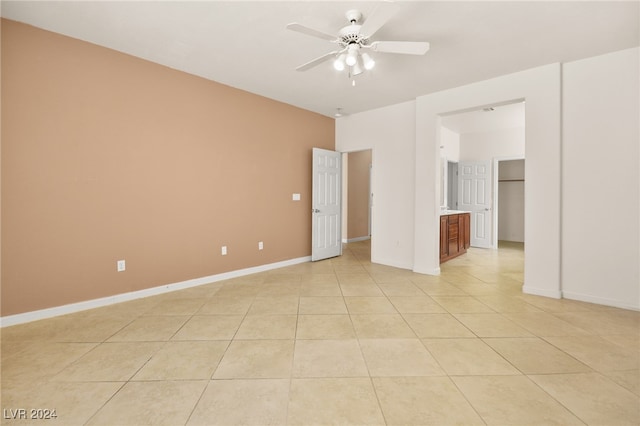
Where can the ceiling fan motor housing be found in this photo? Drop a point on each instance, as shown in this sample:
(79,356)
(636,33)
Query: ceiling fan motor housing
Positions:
(351,35)
(353,15)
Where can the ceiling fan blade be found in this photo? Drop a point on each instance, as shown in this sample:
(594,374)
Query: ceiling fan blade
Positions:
(317,61)
(404,47)
(294,26)
(378,18)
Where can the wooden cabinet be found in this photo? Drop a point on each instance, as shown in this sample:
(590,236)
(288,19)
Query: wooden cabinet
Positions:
(455,235)
(444,241)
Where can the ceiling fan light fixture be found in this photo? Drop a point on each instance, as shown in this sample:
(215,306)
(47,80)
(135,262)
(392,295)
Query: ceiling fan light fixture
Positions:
(356,69)
(368,61)
(352,55)
(354,40)
(338,64)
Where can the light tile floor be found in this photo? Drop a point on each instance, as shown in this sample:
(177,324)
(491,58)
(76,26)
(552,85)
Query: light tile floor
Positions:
(338,341)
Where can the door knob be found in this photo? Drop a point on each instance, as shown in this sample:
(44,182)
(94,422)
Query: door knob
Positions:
(315,211)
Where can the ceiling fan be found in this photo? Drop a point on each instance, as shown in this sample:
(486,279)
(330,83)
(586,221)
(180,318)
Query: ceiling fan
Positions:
(354,41)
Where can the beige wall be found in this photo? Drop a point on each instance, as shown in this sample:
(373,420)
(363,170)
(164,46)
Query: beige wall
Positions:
(358,194)
(107,157)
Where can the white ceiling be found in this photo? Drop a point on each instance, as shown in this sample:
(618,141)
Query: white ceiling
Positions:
(499,117)
(245,44)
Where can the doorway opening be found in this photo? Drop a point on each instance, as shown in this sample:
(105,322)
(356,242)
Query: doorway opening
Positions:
(357,192)
(509,201)
(493,135)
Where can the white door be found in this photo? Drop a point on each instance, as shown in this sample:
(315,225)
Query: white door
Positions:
(326,207)
(474,195)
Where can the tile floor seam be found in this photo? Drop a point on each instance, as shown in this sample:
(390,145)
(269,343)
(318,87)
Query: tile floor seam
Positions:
(181,327)
(292,366)
(466,398)
(235,333)
(375,392)
(198,401)
(434,357)
(555,399)
(545,339)
(105,402)
(77,360)
(164,343)
(502,356)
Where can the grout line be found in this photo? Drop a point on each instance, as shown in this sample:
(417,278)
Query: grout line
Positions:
(107,401)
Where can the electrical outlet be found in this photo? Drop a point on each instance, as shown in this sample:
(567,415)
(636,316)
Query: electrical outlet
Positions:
(260,245)
(121,265)
(224,250)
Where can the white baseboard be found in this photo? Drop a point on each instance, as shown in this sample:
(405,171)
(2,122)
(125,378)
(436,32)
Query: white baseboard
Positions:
(355,240)
(600,300)
(555,294)
(395,264)
(125,297)
(435,271)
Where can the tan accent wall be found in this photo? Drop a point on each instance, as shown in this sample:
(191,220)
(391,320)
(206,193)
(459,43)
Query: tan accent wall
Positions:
(108,157)
(358,194)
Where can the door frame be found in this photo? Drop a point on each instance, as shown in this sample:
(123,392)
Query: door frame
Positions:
(496,168)
(370,194)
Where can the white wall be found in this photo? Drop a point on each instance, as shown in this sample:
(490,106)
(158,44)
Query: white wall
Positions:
(449,144)
(600,159)
(390,133)
(488,145)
